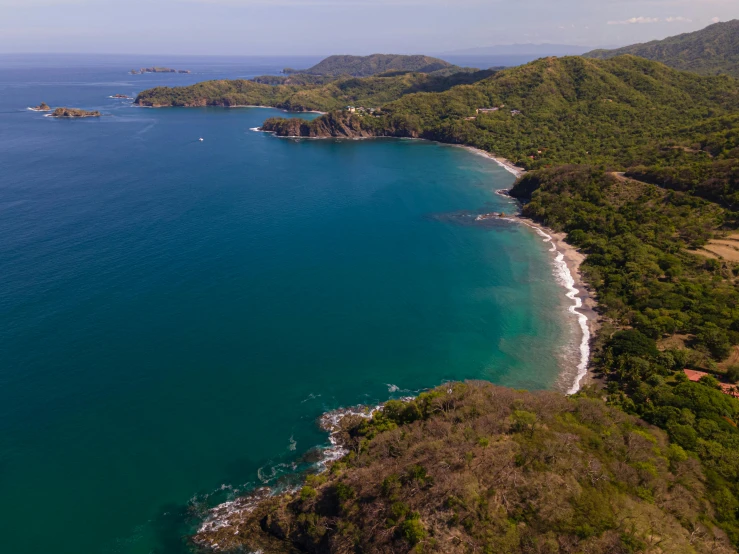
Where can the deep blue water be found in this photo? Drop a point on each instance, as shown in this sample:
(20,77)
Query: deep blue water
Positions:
(176,314)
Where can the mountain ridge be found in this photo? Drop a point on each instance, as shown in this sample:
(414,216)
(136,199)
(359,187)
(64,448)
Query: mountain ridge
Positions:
(713,50)
(374,64)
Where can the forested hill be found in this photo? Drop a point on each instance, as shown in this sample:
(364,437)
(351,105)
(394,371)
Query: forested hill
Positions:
(622,112)
(710,51)
(304,92)
(365,66)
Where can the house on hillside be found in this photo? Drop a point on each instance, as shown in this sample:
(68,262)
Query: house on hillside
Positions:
(726,388)
(487,110)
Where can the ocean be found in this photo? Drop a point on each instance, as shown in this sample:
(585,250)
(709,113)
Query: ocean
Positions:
(177,314)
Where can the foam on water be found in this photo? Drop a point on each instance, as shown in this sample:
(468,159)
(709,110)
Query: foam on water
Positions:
(563,275)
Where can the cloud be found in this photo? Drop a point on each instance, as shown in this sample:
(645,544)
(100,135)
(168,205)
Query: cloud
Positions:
(678,20)
(636,21)
(716,19)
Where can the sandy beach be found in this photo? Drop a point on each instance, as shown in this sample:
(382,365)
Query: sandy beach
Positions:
(504,163)
(583,296)
(567,262)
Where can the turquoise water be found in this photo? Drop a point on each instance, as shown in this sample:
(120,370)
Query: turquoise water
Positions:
(176,313)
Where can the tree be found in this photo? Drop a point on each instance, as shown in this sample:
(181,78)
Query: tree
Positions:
(715,340)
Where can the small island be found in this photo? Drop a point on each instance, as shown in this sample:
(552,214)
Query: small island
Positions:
(73,113)
(157,70)
(43,107)
(121,96)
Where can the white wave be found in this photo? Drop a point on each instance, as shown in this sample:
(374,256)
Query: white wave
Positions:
(564,277)
(392,388)
(311,396)
(331,423)
(292,445)
(267,474)
(229,513)
(256,129)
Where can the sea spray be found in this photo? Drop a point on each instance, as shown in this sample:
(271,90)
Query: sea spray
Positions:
(232,513)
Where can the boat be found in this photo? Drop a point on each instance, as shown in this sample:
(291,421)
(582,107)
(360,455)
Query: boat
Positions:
(201,139)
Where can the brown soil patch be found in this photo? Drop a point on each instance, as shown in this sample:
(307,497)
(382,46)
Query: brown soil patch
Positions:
(705,253)
(725,248)
(733,359)
(675,341)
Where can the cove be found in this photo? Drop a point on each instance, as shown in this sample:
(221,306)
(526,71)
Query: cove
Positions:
(177,314)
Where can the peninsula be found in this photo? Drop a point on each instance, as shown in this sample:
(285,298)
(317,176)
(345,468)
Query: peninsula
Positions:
(478,468)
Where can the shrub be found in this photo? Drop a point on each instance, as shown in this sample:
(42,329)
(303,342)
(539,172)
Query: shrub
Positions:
(413,531)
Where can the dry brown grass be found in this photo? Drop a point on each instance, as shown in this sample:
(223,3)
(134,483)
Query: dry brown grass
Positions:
(487,469)
(724,248)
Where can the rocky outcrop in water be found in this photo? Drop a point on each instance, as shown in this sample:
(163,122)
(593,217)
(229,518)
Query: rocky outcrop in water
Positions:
(341,125)
(157,70)
(74,113)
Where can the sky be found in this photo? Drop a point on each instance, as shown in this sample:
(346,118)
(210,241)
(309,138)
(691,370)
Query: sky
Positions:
(313,27)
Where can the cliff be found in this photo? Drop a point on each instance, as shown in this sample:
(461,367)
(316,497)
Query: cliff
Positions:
(338,125)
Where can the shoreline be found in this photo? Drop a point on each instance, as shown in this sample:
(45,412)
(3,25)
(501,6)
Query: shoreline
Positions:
(506,164)
(567,262)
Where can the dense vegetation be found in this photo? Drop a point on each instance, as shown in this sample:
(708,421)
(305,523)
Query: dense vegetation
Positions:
(623,112)
(711,51)
(478,468)
(366,66)
(305,92)
(665,308)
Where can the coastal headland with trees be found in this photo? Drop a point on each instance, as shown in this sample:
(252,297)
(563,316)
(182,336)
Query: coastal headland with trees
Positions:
(637,163)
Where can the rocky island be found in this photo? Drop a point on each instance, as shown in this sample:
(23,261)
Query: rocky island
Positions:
(43,107)
(157,70)
(73,113)
(121,96)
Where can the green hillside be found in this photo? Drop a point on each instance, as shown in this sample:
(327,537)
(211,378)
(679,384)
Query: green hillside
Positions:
(366,66)
(301,92)
(622,111)
(710,51)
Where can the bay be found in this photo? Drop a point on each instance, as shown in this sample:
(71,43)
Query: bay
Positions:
(176,314)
